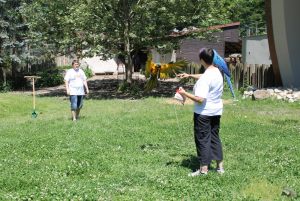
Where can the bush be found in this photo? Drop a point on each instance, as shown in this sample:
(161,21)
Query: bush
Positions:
(55,77)
(50,78)
(5,87)
(134,88)
(66,67)
(88,72)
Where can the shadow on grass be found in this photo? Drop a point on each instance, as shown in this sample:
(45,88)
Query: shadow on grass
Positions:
(109,89)
(190,162)
(146,147)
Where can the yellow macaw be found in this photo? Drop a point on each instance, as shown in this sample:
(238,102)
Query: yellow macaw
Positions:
(155,71)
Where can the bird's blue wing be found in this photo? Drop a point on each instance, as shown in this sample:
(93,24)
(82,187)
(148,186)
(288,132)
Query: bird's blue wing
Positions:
(221,64)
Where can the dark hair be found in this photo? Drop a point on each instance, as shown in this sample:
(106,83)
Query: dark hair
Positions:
(75,61)
(207,54)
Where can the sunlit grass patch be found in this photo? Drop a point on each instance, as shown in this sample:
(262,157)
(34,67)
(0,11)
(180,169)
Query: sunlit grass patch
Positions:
(261,189)
(143,150)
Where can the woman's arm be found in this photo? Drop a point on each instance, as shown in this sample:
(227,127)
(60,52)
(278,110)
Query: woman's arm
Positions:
(86,86)
(67,87)
(185,75)
(197,99)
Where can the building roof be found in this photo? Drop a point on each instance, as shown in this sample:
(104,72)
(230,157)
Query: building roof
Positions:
(222,26)
(186,31)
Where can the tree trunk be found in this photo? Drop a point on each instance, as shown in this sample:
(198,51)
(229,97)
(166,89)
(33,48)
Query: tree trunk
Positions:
(128,60)
(128,65)
(14,65)
(14,73)
(4,76)
(3,69)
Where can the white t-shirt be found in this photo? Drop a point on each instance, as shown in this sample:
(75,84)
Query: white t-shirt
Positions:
(75,78)
(210,87)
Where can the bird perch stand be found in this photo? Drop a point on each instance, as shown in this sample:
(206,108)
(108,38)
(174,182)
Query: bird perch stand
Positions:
(33,79)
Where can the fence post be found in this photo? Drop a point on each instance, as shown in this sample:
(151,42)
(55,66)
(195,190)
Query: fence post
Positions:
(235,74)
(241,74)
(261,85)
(264,82)
(256,76)
(253,75)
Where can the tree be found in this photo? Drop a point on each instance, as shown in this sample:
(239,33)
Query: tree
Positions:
(251,14)
(12,38)
(118,27)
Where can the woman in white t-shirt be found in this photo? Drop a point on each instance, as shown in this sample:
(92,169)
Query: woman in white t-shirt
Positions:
(75,82)
(208,109)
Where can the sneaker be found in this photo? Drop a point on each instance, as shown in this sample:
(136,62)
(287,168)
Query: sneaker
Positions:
(74,119)
(220,170)
(197,173)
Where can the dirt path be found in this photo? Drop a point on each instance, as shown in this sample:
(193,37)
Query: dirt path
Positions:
(107,87)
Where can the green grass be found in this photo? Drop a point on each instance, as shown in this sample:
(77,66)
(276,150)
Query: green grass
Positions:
(135,150)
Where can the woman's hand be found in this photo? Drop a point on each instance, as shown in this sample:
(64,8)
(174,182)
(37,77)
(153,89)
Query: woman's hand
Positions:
(183,75)
(181,91)
(185,94)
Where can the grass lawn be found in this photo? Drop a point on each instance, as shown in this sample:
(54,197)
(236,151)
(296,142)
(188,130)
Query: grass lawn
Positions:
(136,150)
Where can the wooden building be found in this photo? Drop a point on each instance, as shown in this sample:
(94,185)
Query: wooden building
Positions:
(226,41)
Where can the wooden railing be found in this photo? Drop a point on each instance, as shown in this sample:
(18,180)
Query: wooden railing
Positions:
(245,75)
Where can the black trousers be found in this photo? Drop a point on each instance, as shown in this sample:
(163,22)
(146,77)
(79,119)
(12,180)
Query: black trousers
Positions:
(208,143)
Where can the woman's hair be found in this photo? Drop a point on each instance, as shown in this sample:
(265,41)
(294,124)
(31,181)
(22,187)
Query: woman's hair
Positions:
(207,55)
(75,61)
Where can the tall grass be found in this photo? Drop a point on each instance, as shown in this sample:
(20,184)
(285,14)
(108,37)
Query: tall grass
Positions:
(139,150)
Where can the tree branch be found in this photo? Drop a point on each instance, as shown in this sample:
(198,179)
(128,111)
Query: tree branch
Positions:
(132,13)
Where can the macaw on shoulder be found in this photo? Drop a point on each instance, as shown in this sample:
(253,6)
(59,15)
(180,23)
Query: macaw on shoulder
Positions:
(221,64)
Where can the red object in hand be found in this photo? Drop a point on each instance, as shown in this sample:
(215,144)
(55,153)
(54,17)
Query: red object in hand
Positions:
(179,97)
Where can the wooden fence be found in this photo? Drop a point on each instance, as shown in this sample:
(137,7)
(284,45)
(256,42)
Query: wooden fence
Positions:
(258,76)
(245,75)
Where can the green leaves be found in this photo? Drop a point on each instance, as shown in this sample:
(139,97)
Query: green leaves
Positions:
(149,22)
(251,14)
(110,27)
(13,31)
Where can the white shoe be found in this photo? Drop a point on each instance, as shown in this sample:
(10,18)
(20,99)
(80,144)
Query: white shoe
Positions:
(220,170)
(197,173)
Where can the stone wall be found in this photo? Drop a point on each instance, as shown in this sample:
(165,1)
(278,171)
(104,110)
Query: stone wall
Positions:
(289,95)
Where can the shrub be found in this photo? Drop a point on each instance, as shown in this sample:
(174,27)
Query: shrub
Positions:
(88,72)
(50,78)
(134,88)
(66,67)
(5,87)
